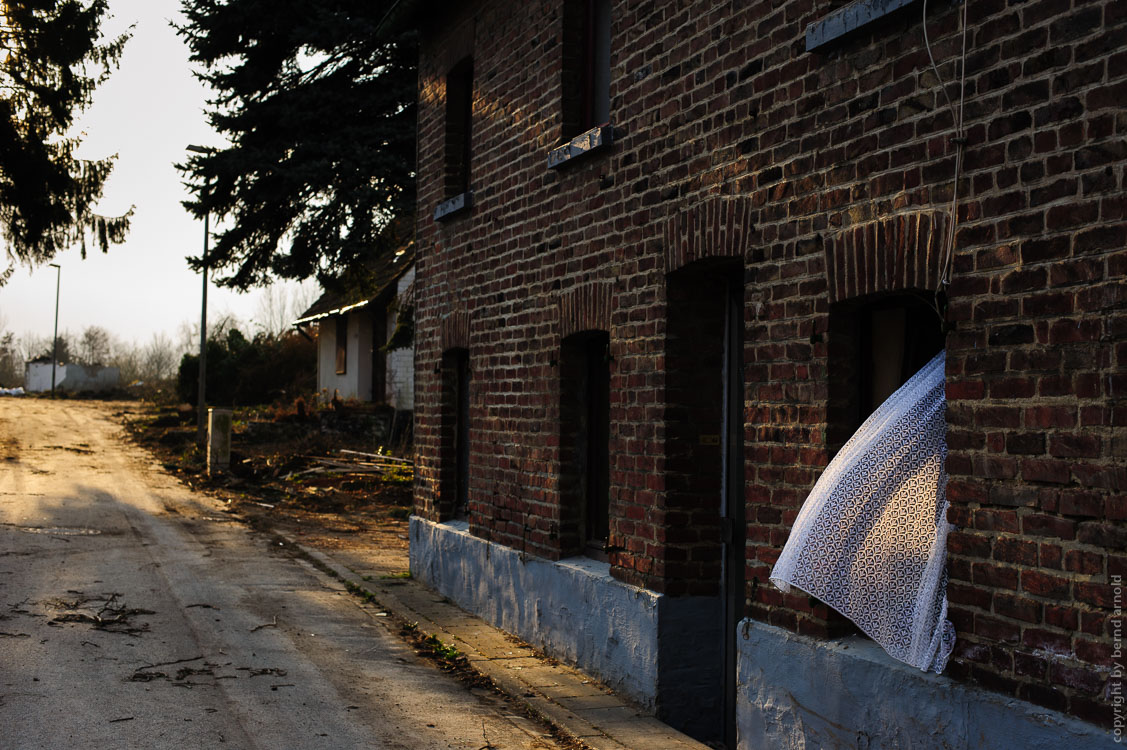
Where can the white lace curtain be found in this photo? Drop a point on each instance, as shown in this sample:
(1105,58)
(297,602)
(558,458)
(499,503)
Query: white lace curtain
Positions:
(871,539)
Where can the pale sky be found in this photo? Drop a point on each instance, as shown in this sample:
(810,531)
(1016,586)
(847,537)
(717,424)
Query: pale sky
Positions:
(147,112)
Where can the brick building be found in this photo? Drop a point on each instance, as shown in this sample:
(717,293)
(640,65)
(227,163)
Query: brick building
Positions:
(670,255)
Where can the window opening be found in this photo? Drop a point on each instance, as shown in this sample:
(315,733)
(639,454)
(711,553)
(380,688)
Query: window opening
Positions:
(585,443)
(875,346)
(455,435)
(462,438)
(870,539)
(586,68)
(598,444)
(459,127)
(898,337)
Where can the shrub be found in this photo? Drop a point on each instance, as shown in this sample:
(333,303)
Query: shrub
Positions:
(242,372)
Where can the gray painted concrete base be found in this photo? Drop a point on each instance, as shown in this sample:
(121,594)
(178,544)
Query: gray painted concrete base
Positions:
(690,693)
(660,651)
(800,693)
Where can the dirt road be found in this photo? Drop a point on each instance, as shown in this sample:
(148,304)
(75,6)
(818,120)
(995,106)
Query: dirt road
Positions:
(135,613)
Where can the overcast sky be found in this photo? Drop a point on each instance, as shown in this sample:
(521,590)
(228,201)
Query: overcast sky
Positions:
(147,112)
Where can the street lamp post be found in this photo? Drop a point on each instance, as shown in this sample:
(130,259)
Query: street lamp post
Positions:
(55,338)
(201,396)
(201,400)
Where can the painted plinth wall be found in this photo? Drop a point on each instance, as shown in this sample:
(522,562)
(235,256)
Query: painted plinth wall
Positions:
(799,693)
(575,611)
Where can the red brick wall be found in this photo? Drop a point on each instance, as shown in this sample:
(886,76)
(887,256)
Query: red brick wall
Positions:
(831,174)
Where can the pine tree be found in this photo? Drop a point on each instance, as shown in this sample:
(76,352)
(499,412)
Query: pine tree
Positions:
(52,60)
(318,106)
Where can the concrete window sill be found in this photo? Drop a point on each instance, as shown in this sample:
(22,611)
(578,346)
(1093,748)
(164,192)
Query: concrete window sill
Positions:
(846,20)
(452,207)
(593,141)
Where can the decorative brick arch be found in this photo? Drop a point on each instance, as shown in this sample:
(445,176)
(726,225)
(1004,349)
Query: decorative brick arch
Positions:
(586,308)
(898,252)
(455,330)
(718,227)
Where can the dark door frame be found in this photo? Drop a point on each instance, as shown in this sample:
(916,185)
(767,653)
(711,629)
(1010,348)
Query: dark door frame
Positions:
(732,510)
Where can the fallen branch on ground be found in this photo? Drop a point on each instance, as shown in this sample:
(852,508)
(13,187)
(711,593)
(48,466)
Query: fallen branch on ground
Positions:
(274,624)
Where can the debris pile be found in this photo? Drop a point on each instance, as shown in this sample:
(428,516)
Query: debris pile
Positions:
(291,472)
(356,462)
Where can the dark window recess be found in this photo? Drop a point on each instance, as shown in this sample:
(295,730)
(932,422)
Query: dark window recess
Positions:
(342,344)
(585,81)
(454,470)
(875,344)
(459,126)
(874,347)
(586,65)
(585,443)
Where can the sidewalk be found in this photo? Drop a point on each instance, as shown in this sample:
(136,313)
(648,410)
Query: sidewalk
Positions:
(566,697)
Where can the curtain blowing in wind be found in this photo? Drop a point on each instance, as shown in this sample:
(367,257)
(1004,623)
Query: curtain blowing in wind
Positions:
(871,539)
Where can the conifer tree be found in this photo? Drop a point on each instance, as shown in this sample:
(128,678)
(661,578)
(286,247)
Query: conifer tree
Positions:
(51,61)
(317,102)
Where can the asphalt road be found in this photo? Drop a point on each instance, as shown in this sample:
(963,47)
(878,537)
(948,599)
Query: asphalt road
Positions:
(134,613)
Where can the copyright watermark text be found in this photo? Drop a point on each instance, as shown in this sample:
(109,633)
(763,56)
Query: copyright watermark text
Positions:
(1115,684)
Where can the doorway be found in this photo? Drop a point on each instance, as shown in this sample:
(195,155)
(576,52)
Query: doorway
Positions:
(704,464)
(585,444)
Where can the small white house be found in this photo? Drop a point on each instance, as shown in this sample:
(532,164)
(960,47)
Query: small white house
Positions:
(353,361)
(70,377)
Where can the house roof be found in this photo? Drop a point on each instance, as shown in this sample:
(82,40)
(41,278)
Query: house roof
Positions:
(384,272)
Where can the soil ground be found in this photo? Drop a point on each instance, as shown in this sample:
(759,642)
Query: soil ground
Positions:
(137,612)
(287,472)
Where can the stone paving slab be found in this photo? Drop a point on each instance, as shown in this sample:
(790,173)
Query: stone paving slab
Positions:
(566,697)
(581,703)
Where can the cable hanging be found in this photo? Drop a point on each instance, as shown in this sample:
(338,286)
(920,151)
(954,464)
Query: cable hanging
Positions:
(959,139)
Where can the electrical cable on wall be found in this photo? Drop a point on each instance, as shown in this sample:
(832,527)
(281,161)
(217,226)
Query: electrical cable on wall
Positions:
(959,139)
